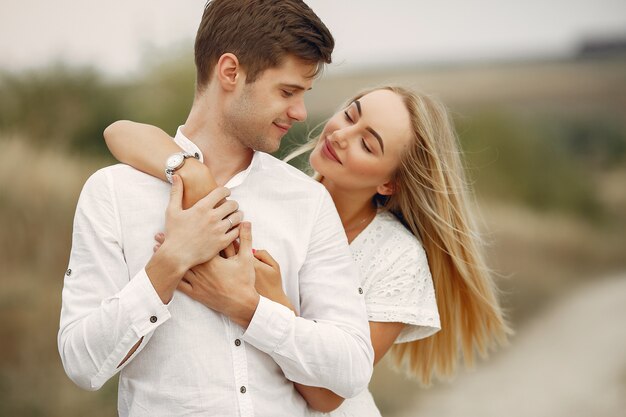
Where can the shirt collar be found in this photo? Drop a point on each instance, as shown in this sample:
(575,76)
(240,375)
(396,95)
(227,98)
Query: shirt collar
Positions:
(188,146)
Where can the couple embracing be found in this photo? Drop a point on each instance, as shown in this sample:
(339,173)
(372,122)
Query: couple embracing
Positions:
(220,281)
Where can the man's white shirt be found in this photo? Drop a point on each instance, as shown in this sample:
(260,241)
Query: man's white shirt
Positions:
(192,360)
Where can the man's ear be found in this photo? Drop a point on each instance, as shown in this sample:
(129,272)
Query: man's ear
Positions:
(228,71)
(387,188)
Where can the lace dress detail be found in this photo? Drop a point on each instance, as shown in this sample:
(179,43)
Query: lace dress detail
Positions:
(398,287)
(395,277)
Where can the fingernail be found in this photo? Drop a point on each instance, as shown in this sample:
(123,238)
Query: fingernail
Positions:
(253,251)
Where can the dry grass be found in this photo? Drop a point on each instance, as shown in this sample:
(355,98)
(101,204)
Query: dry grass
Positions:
(37,200)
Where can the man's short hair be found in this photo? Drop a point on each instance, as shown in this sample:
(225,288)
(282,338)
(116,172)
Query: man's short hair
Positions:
(261,33)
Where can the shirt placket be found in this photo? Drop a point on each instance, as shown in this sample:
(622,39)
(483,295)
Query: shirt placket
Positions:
(240,369)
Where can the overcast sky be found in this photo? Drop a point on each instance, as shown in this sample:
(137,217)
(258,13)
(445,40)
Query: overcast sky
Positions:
(112,34)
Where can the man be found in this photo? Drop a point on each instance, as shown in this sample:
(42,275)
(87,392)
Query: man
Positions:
(220,348)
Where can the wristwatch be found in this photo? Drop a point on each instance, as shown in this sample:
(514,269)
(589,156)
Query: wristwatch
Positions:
(175,162)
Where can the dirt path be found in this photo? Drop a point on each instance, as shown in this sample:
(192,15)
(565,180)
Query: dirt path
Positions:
(569,362)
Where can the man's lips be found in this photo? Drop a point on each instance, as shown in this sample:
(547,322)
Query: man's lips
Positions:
(329,152)
(283,127)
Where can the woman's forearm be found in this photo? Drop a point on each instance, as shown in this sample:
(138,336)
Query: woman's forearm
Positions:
(383,335)
(319,399)
(146,148)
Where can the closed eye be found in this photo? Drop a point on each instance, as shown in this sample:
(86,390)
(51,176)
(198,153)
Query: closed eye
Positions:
(367,148)
(348,118)
(287,94)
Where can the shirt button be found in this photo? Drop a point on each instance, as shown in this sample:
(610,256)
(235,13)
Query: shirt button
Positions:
(68,272)
(242,390)
(237,342)
(153,319)
(360,290)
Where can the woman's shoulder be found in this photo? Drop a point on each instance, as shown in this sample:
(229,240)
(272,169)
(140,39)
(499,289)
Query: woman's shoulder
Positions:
(397,238)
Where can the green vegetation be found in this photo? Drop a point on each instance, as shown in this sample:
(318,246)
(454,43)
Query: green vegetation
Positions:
(542,162)
(539,159)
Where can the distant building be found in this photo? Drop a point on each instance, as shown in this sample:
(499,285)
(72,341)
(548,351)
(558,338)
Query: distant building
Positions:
(607,47)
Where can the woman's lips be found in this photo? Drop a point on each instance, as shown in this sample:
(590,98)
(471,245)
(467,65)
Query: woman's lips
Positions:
(329,152)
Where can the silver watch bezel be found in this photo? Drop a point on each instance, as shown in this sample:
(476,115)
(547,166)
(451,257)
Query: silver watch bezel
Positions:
(172,165)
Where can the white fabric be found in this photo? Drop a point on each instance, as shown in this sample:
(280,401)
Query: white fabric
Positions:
(398,287)
(189,362)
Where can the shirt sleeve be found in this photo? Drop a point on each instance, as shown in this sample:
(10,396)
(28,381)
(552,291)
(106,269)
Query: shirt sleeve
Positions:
(104,312)
(402,291)
(329,344)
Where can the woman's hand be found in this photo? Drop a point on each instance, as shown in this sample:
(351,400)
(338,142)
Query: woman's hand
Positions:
(226,285)
(268,281)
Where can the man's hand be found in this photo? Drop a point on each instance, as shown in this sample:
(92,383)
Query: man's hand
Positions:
(193,236)
(226,285)
(199,233)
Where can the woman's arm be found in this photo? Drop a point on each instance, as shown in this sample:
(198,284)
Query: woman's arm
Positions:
(146,148)
(383,335)
(269,284)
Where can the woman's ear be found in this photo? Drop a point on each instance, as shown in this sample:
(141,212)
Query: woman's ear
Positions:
(228,71)
(387,188)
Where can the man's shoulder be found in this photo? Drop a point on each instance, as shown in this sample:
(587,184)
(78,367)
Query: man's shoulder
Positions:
(117,178)
(119,174)
(275,168)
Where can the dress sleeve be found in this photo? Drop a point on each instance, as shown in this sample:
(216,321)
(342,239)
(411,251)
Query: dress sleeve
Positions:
(402,290)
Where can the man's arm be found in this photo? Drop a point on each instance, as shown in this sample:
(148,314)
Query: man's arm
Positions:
(106,317)
(329,345)
(104,312)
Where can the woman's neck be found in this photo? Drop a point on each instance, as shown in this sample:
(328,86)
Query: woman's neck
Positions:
(356,209)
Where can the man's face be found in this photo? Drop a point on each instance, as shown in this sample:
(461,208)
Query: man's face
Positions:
(262,112)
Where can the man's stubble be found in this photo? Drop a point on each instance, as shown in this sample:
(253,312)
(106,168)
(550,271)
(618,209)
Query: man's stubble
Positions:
(246,125)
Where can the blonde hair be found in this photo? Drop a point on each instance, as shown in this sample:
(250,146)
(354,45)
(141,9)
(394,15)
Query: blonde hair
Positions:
(432,200)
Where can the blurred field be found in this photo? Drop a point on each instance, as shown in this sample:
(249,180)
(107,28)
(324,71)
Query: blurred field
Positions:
(546,148)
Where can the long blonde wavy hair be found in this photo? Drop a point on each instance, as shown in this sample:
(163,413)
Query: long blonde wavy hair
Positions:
(432,200)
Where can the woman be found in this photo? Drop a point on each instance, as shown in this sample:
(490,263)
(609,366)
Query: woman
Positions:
(390,161)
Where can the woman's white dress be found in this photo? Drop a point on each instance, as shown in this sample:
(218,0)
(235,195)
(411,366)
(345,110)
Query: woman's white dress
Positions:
(397,286)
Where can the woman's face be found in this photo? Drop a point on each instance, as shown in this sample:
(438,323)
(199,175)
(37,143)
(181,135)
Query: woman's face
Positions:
(361,146)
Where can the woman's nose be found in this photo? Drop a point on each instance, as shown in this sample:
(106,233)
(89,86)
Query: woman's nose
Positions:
(339,137)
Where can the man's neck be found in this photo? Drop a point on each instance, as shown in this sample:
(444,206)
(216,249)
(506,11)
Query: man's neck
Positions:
(223,154)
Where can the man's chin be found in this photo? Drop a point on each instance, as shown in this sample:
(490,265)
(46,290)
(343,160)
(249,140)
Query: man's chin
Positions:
(267,146)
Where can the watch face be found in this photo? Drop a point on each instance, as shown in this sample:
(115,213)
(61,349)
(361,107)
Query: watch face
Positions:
(174,161)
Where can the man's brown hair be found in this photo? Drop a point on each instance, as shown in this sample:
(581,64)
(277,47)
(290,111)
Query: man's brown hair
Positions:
(261,33)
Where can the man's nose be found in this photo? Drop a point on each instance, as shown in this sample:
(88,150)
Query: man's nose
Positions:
(297,111)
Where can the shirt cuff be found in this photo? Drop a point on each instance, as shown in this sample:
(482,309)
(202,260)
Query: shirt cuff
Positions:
(143,304)
(269,325)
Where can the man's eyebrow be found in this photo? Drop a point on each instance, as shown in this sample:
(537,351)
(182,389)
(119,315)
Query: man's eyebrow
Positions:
(369,129)
(296,87)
